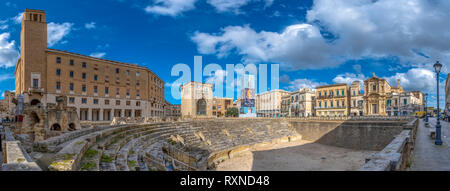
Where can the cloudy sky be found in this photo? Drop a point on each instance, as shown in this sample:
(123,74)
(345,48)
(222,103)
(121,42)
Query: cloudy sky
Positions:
(314,42)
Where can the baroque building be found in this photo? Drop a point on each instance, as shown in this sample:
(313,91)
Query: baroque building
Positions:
(332,100)
(302,103)
(99,89)
(268,104)
(196,100)
(447,95)
(356,100)
(376,92)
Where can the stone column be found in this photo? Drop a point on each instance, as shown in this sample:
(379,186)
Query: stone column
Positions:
(89,114)
(101,114)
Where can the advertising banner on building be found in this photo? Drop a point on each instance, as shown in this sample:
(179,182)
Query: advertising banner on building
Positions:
(248,97)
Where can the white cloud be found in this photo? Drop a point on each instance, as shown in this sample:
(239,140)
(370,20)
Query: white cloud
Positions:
(234,5)
(413,30)
(297,47)
(18,19)
(415,79)
(4,77)
(90,25)
(349,78)
(98,54)
(303,83)
(56,32)
(170,7)
(217,77)
(8,52)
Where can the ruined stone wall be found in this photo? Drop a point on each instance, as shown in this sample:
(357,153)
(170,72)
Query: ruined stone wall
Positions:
(360,135)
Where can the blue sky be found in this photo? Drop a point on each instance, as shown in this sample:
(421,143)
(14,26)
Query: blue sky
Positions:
(314,42)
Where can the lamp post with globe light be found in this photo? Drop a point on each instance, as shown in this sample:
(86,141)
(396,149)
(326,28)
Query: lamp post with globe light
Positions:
(437,68)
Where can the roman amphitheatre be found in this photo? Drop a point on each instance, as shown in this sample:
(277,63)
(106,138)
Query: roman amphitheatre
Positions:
(251,144)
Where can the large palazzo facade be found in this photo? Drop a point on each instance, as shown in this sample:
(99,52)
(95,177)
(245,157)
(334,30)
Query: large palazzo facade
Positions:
(99,89)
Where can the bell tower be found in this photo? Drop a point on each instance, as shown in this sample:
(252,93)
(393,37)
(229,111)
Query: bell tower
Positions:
(32,65)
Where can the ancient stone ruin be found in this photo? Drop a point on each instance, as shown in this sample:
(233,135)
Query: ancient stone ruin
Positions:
(40,123)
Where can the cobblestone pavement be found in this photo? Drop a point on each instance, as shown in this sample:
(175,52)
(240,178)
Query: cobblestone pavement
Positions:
(426,155)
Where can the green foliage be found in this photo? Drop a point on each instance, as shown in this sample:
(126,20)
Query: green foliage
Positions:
(232,112)
(131,163)
(90,153)
(106,158)
(88,166)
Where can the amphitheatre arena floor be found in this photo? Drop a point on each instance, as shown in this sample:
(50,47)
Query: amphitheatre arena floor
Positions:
(297,156)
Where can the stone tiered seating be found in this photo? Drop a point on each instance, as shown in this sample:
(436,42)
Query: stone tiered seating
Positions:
(160,145)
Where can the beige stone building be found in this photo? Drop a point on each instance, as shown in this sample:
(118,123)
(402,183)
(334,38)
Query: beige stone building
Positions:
(376,92)
(356,100)
(404,104)
(220,106)
(100,89)
(172,110)
(7,106)
(302,103)
(333,100)
(196,100)
(268,104)
(286,105)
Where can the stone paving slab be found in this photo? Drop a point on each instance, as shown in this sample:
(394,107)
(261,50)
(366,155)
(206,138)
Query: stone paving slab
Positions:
(426,155)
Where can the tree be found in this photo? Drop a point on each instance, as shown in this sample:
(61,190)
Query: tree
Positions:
(232,112)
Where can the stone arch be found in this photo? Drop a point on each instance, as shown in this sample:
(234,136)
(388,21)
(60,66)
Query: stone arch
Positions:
(35,118)
(201,107)
(72,127)
(56,127)
(35,102)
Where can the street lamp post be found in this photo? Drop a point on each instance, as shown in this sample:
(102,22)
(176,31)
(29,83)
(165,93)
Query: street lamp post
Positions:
(426,108)
(437,68)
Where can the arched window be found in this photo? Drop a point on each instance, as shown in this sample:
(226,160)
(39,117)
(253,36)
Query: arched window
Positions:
(201,107)
(55,127)
(35,102)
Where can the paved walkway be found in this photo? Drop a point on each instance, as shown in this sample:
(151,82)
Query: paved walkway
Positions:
(426,155)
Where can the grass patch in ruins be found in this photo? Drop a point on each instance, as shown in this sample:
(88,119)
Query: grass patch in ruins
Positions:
(91,153)
(106,158)
(131,163)
(88,166)
(132,152)
(68,156)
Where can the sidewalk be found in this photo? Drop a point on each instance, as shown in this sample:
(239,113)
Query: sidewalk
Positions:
(426,155)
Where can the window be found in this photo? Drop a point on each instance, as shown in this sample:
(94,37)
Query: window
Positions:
(354,93)
(117,71)
(117,102)
(388,102)
(320,94)
(95,89)
(95,77)
(83,88)
(343,103)
(128,103)
(71,100)
(137,93)
(374,87)
(58,85)
(337,92)
(83,75)
(127,72)
(117,91)
(337,103)
(320,104)
(128,92)
(343,92)
(326,104)
(106,101)
(138,103)
(137,83)
(331,104)
(83,100)
(405,101)
(71,62)
(106,90)
(58,60)
(83,64)
(71,86)
(106,79)
(137,74)
(96,101)
(35,83)
(71,74)
(58,72)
